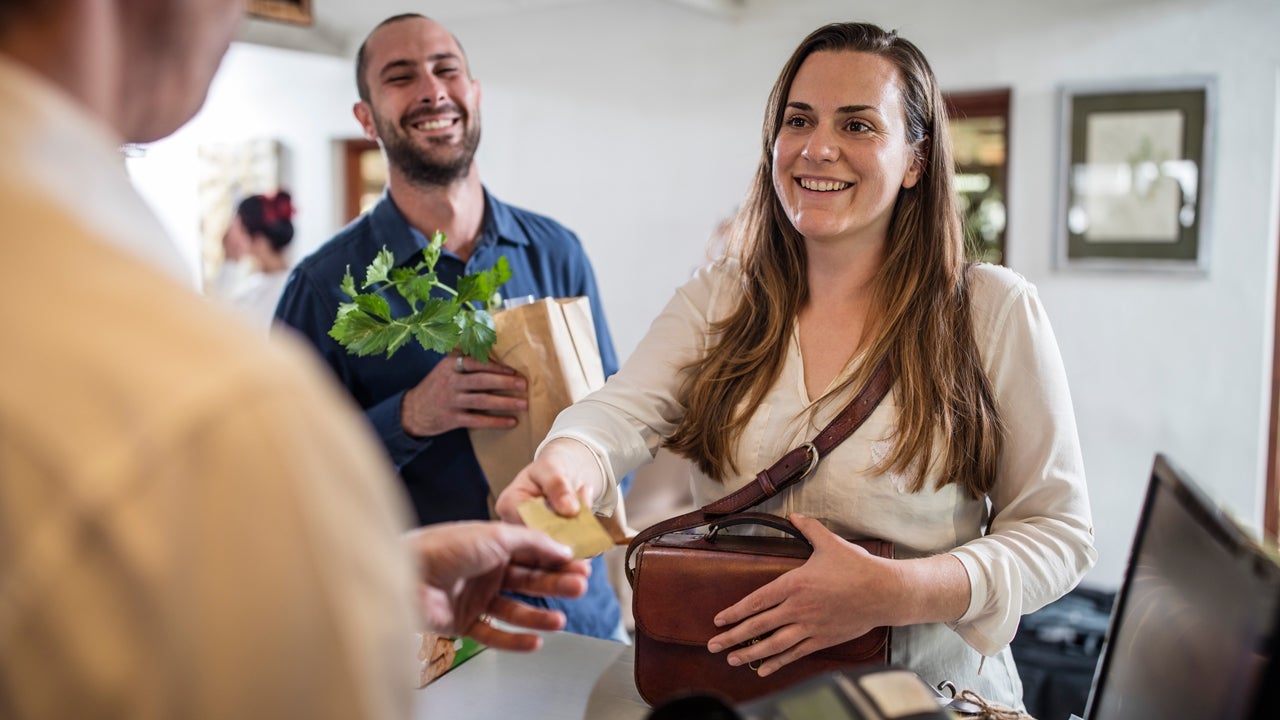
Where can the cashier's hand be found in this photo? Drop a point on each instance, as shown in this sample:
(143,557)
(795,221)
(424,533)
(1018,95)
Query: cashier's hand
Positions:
(564,473)
(462,392)
(842,591)
(465,567)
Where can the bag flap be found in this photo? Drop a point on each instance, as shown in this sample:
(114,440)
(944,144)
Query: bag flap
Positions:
(683,581)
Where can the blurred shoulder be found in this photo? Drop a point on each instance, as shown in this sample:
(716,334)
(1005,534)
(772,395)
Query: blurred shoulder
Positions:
(715,288)
(993,287)
(721,271)
(1001,298)
(986,278)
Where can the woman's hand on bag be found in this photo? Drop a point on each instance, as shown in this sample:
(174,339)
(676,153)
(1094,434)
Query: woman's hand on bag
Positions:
(841,592)
(565,473)
(462,392)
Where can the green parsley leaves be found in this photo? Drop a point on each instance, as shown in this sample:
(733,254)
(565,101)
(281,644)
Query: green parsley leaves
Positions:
(365,325)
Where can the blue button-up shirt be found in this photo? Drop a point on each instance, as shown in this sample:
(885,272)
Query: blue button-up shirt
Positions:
(441,473)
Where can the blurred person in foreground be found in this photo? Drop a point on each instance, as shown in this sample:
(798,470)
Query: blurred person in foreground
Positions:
(187,529)
(851,255)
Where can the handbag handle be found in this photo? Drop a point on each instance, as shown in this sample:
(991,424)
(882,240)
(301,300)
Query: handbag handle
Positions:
(789,469)
(780,524)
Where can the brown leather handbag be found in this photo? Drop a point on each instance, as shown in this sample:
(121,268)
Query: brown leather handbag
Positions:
(680,581)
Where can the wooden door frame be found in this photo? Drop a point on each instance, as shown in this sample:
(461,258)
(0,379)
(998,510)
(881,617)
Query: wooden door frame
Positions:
(352,183)
(988,103)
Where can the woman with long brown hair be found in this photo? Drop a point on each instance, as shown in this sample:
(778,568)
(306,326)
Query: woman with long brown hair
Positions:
(849,253)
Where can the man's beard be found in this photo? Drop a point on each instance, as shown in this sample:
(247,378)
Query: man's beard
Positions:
(418,165)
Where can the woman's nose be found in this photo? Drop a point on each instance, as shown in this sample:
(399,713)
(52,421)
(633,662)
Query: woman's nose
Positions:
(821,146)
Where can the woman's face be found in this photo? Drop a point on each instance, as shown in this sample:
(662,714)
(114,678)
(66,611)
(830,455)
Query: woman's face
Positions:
(236,243)
(842,155)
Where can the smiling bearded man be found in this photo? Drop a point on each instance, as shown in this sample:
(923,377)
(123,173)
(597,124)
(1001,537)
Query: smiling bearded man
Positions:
(433,164)
(419,101)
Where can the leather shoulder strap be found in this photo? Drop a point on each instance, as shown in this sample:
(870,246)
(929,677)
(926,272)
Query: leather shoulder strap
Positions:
(797,464)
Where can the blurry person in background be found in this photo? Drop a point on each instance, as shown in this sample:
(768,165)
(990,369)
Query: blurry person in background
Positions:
(256,264)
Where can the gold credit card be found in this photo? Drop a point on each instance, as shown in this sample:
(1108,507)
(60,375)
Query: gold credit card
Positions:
(582,532)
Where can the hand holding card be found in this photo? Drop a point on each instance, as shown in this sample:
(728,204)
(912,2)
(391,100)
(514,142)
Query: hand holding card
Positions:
(582,532)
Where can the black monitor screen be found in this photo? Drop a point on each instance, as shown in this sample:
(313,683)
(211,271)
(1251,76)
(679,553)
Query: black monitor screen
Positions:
(1193,628)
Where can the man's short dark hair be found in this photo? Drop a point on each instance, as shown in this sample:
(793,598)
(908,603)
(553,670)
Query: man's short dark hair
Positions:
(362,62)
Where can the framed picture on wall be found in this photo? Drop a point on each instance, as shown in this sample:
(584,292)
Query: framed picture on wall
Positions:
(297,12)
(1135,174)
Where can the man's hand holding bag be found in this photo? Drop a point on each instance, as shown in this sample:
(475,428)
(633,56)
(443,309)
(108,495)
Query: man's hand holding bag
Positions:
(552,344)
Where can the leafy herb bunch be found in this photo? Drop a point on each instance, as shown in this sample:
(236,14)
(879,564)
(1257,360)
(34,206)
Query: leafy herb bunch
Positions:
(365,325)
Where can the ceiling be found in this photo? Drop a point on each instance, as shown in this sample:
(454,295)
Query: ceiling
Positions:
(340,25)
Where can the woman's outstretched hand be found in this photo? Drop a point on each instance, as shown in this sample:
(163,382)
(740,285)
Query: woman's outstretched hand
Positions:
(565,473)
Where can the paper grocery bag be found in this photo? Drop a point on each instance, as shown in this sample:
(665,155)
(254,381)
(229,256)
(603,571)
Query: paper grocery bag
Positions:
(552,343)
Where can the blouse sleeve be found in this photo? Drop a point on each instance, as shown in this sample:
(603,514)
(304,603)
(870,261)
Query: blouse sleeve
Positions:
(1039,540)
(624,422)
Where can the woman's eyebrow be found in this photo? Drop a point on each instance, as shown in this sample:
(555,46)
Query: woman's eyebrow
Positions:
(843,109)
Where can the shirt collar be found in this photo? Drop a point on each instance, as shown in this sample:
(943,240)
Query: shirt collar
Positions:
(405,241)
(500,224)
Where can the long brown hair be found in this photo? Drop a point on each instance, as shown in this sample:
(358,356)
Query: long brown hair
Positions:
(923,324)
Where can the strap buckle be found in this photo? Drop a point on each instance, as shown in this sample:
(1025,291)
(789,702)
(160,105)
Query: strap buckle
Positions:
(814,457)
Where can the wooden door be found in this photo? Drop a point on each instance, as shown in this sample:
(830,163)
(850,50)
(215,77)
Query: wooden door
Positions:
(364,176)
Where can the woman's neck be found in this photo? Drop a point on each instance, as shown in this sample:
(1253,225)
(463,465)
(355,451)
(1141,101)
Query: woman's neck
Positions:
(842,273)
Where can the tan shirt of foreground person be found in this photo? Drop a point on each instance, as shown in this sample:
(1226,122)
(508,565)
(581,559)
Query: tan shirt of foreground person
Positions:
(193,524)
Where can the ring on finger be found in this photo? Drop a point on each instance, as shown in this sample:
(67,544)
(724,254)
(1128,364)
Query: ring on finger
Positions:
(457,365)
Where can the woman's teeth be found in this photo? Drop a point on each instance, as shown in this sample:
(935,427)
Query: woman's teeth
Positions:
(823,185)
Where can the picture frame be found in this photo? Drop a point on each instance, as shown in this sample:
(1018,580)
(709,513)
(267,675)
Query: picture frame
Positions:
(296,12)
(1135,176)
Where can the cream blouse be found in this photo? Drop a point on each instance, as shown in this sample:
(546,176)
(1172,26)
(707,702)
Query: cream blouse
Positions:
(1023,546)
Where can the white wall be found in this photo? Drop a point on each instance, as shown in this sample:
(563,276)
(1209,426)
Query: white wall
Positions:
(636,124)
